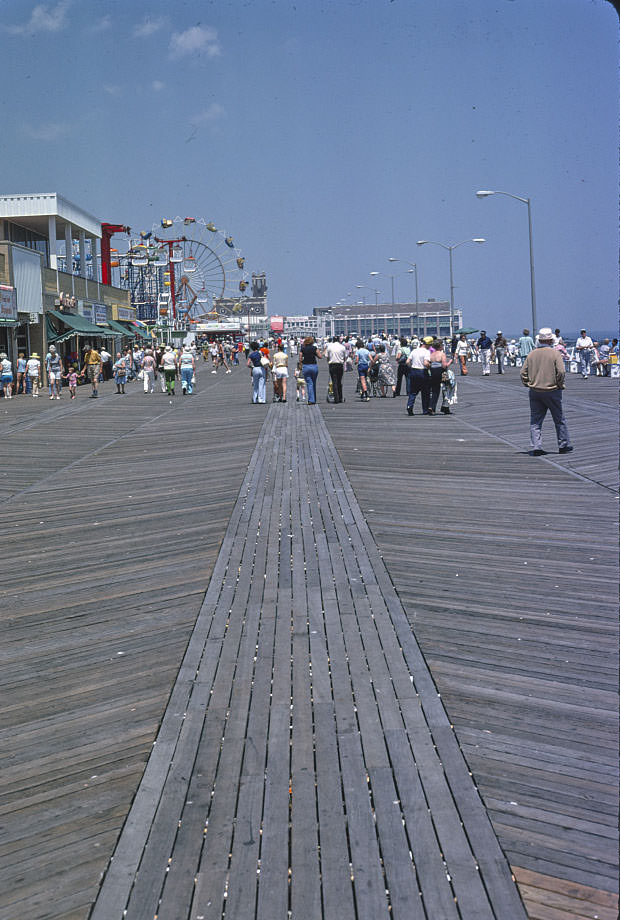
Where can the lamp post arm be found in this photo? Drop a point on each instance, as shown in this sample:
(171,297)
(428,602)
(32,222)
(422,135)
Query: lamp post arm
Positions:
(516,197)
(435,243)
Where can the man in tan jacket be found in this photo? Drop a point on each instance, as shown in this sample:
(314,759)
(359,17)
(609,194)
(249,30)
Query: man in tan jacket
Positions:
(543,373)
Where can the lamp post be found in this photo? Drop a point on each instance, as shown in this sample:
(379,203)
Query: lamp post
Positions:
(374,290)
(392,280)
(376,293)
(413,270)
(484,193)
(450,251)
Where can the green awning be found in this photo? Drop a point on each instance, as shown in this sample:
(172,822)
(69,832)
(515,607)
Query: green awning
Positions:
(135,328)
(119,329)
(76,325)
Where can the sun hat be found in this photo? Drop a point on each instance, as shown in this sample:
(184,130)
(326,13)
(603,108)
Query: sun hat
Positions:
(545,334)
(428,339)
(34,355)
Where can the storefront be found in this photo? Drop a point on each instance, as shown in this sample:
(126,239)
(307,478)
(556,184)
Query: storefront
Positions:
(71,332)
(124,318)
(216,332)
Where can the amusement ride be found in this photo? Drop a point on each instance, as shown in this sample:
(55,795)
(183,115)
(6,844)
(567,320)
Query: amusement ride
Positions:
(184,270)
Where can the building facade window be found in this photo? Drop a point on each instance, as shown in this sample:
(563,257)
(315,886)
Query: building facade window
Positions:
(29,239)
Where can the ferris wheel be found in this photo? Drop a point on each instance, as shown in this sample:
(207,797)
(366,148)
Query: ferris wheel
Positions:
(204,270)
(186,267)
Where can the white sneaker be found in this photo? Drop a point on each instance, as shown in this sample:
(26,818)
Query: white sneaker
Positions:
(214,372)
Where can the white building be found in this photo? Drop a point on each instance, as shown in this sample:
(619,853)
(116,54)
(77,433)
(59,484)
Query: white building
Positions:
(50,277)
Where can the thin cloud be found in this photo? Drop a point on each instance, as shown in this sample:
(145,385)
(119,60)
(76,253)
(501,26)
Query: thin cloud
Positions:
(194,41)
(213,113)
(52,131)
(43,19)
(157,85)
(112,89)
(149,27)
(104,24)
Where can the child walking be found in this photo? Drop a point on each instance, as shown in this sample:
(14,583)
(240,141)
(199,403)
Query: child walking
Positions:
(72,380)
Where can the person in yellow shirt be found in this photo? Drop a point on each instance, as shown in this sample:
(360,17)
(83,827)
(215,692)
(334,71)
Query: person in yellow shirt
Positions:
(93,366)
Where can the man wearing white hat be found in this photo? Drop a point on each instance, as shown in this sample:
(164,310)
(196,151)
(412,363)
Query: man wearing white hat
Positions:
(543,373)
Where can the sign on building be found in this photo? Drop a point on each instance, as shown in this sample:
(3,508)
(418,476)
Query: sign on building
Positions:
(8,304)
(100,313)
(277,324)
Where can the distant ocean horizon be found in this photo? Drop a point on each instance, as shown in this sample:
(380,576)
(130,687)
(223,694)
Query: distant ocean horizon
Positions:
(597,335)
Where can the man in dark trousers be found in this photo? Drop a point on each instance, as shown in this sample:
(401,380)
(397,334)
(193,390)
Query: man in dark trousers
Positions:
(543,373)
(499,350)
(484,346)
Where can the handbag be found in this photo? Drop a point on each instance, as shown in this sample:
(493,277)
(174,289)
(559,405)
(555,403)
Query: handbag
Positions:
(265,362)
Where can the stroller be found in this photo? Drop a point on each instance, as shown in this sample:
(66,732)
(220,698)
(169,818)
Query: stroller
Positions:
(372,379)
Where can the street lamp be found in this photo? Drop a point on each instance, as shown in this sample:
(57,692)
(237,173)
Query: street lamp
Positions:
(450,251)
(485,194)
(392,279)
(374,290)
(413,270)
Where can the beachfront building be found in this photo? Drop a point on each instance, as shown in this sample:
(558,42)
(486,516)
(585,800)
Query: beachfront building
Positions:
(50,279)
(431,317)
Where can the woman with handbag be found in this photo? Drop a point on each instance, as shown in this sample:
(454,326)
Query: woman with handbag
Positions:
(258,363)
(439,363)
(462,352)
(308,354)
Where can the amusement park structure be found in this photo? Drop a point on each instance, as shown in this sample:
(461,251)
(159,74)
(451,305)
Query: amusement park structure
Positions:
(184,270)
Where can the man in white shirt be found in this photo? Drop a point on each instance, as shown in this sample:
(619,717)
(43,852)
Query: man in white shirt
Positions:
(419,382)
(584,346)
(336,354)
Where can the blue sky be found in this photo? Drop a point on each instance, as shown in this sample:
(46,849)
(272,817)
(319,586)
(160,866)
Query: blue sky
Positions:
(329,135)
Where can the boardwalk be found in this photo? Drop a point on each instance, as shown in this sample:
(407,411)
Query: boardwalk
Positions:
(304,760)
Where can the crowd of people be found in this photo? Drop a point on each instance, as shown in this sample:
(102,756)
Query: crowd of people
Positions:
(425,367)
(381,366)
(384,365)
(96,366)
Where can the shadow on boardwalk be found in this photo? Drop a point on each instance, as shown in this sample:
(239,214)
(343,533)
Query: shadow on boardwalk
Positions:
(304,761)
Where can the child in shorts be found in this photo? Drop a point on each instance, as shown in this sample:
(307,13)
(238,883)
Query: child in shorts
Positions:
(301,385)
(72,380)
